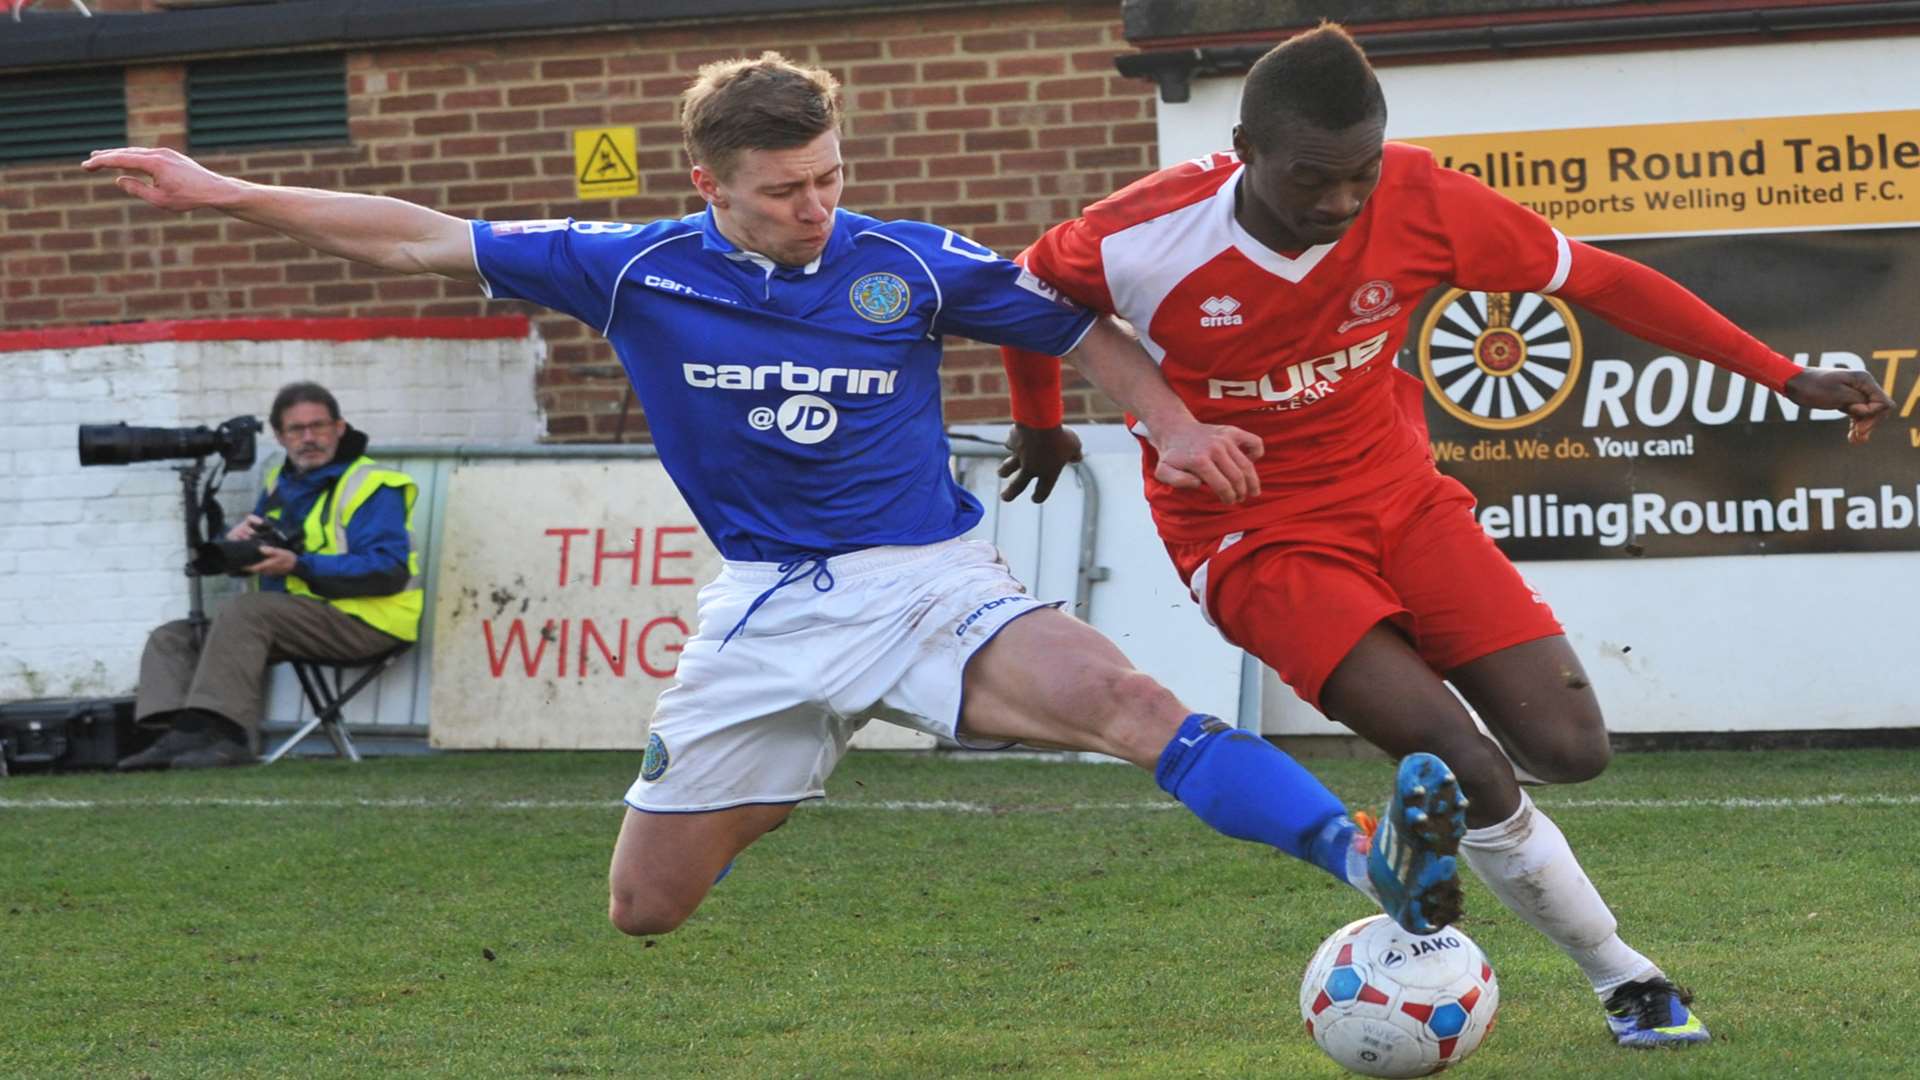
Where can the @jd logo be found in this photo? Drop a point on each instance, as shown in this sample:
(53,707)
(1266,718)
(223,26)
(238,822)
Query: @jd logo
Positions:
(880,298)
(1500,360)
(806,418)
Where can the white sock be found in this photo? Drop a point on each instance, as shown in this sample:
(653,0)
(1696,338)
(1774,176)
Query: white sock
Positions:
(1525,860)
(1357,871)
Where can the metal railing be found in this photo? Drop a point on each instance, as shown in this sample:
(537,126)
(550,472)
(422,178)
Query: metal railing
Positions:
(397,703)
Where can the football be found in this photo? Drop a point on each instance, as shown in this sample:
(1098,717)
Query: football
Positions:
(1383,1002)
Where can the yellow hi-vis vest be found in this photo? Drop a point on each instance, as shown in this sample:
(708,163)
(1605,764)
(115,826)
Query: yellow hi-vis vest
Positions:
(326,534)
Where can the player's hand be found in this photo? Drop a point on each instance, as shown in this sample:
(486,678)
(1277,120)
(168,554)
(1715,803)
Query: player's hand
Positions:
(1038,456)
(1218,456)
(1854,392)
(164,178)
(279,562)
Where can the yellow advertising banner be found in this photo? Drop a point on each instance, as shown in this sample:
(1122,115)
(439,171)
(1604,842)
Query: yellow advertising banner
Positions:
(1778,174)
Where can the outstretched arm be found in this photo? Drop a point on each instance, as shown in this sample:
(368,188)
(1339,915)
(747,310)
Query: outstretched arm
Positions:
(1647,303)
(384,232)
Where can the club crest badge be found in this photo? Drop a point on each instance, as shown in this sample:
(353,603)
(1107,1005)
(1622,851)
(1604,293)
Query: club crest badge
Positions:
(880,298)
(1371,303)
(654,764)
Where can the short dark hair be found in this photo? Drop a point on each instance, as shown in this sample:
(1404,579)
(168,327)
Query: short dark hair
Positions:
(1321,77)
(770,103)
(301,393)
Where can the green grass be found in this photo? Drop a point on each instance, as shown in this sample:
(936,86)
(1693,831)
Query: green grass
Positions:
(183,926)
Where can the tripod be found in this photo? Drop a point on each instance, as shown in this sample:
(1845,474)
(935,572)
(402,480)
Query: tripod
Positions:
(199,506)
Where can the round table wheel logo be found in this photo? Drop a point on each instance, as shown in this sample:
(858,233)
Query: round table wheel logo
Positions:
(1500,360)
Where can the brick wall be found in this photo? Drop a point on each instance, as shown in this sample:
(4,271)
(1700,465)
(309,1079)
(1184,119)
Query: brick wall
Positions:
(995,121)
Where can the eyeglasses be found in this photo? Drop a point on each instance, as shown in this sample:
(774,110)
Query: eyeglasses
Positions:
(295,431)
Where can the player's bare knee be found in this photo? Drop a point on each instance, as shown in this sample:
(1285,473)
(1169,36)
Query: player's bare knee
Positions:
(1570,761)
(644,924)
(1575,749)
(1477,762)
(639,916)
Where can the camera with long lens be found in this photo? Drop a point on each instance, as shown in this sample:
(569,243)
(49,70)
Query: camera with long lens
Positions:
(122,444)
(223,556)
(236,443)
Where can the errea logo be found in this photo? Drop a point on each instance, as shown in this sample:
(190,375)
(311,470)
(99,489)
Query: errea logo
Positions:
(1220,311)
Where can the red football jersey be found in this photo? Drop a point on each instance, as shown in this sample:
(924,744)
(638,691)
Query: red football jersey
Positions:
(1297,348)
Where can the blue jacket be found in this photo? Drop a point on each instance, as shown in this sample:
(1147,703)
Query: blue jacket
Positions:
(377,545)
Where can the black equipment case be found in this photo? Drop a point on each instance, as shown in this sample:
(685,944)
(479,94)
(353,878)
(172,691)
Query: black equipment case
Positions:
(68,733)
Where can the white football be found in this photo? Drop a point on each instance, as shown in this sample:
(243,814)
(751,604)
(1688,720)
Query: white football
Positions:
(1384,1002)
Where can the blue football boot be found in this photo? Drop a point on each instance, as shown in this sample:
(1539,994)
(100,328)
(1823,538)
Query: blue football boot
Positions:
(1653,1012)
(1412,859)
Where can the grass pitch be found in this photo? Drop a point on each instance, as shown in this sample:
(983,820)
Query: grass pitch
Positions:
(444,916)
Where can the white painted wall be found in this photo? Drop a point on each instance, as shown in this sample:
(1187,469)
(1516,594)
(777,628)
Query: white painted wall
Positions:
(90,558)
(1702,644)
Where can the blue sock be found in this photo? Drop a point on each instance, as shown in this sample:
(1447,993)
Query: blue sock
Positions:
(724,871)
(1249,789)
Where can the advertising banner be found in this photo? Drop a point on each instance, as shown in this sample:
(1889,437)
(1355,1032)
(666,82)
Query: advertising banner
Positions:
(564,597)
(1582,441)
(1767,175)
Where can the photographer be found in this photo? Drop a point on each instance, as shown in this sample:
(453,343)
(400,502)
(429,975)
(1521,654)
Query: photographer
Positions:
(337,579)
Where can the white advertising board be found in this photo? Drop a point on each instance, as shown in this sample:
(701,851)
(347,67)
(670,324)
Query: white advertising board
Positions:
(566,590)
(565,594)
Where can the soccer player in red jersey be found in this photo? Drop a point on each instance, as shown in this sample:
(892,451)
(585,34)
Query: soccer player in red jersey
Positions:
(1274,285)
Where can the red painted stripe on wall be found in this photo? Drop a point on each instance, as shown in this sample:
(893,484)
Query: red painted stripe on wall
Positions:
(80,337)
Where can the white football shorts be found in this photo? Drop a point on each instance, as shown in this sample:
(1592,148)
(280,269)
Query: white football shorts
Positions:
(765,719)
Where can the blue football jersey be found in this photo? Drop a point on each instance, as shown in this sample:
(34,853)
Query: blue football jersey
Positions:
(796,408)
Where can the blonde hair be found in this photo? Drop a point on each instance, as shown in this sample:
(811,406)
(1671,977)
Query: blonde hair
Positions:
(770,103)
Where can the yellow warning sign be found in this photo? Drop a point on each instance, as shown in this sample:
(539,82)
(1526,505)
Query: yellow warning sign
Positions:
(603,163)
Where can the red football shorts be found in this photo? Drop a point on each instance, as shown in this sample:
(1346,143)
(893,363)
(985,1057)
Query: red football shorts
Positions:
(1299,595)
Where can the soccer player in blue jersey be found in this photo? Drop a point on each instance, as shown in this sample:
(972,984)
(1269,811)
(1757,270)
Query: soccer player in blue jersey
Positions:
(787,354)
